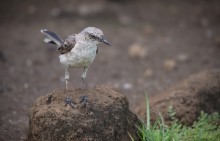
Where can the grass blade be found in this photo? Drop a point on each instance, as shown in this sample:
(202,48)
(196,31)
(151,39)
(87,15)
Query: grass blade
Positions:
(147,111)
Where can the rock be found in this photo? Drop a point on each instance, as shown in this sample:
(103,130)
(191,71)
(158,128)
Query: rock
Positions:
(137,51)
(169,64)
(200,92)
(106,116)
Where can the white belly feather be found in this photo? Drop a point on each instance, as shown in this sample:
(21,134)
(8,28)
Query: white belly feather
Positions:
(81,55)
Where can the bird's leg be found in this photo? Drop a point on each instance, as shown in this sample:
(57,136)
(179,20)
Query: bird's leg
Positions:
(68,100)
(85,69)
(67,76)
(84,99)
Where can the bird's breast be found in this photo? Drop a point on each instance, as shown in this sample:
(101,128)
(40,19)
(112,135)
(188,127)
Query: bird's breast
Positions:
(79,56)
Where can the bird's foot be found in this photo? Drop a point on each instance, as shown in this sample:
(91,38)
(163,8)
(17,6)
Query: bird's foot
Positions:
(83,101)
(70,102)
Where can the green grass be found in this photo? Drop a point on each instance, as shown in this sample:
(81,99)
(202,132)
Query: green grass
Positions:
(206,128)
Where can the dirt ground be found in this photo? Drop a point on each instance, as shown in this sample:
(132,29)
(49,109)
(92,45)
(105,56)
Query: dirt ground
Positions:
(155,44)
(186,99)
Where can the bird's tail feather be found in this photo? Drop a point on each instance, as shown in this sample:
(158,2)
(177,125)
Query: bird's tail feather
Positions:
(52,38)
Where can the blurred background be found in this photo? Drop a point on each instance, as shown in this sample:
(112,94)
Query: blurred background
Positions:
(155,43)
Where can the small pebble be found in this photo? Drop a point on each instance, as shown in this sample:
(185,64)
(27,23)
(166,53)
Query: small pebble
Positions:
(11,121)
(137,51)
(169,64)
(183,57)
(26,85)
(29,63)
(55,12)
(127,86)
(148,29)
(125,20)
(148,73)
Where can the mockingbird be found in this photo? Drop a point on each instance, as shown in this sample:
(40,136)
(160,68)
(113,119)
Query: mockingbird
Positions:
(76,51)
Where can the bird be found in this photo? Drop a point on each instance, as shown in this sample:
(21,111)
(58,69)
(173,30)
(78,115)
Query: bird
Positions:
(76,51)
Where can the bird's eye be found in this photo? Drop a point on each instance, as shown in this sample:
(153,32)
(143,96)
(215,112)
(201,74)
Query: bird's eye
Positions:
(92,36)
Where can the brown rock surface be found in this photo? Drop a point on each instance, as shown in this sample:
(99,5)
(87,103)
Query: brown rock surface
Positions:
(106,117)
(200,92)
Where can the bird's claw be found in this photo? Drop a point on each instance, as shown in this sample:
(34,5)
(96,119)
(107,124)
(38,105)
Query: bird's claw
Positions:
(70,102)
(83,100)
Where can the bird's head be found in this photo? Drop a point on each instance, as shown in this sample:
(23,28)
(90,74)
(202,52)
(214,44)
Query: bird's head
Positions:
(95,35)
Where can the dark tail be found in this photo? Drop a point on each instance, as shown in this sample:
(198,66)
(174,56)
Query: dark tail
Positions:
(51,37)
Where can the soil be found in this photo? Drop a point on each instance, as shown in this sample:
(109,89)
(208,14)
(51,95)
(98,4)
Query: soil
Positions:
(186,100)
(179,38)
(105,116)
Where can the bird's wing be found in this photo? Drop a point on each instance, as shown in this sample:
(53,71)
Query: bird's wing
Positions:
(69,43)
(51,37)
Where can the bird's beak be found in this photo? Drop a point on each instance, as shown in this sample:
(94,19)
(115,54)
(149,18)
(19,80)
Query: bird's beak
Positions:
(102,39)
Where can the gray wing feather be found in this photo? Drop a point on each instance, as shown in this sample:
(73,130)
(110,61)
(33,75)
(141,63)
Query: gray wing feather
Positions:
(52,38)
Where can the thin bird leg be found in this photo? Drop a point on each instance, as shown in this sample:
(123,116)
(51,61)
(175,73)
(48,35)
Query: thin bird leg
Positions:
(68,100)
(67,76)
(85,69)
